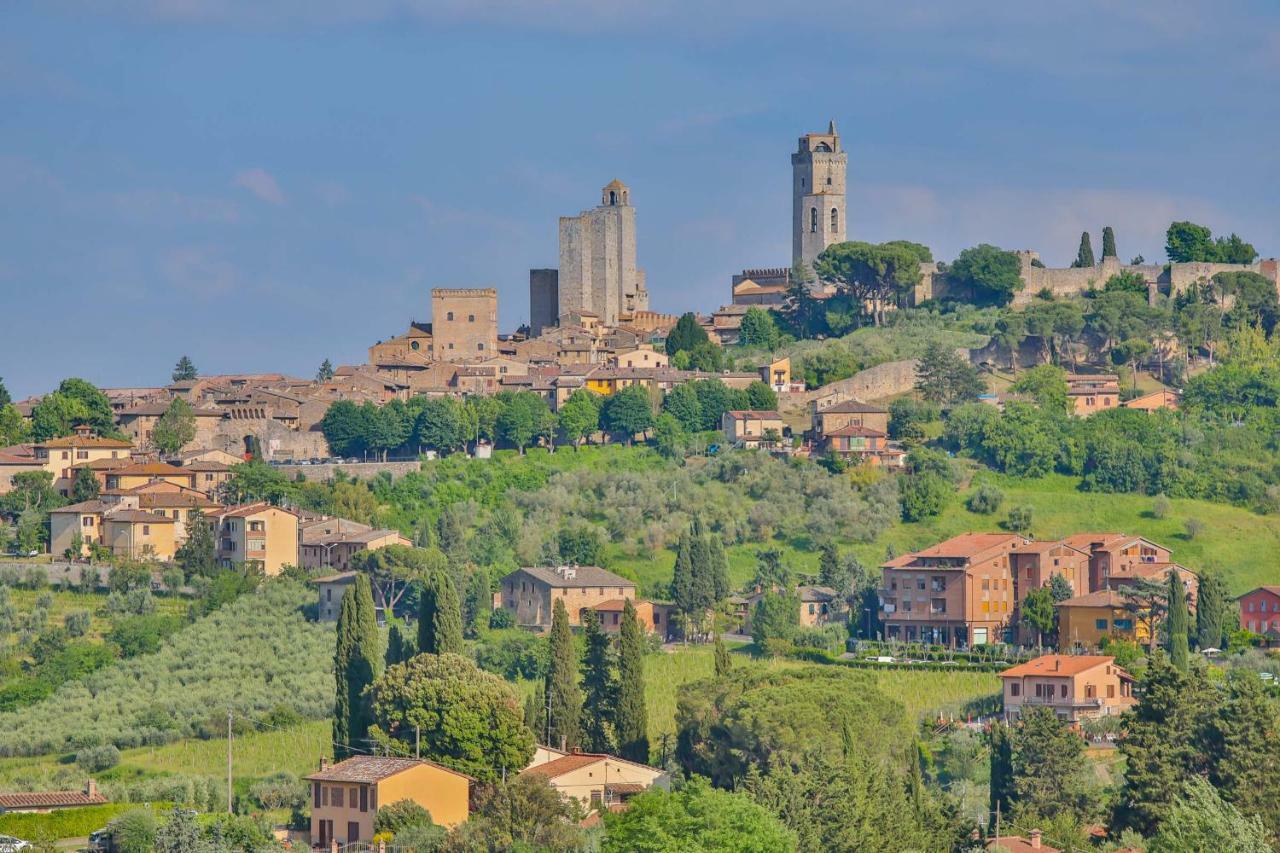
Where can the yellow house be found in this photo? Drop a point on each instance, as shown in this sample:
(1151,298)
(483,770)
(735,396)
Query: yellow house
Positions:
(346,796)
(138,534)
(85,518)
(595,779)
(1084,620)
(258,533)
(142,473)
(59,456)
(643,357)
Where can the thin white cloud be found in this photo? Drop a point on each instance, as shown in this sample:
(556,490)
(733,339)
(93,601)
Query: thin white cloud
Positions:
(199,270)
(261,184)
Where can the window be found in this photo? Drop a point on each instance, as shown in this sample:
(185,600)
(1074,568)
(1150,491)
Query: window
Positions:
(1100,624)
(1062,691)
(364,798)
(1122,624)
(353,831)
(986,583)
(828,180)
(87,521)
(813,228)
(336,796)
(449,316)
(811,609)
(315,795)
(919,583)
(835,218)
(480,346)
(1090,691)
(939,584)
(1111,691)
(82,454)
(146,530)
(1039,690)
(938,605)
(1015,689)
(413,345)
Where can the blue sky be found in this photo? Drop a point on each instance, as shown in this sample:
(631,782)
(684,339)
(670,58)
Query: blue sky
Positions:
(262,185)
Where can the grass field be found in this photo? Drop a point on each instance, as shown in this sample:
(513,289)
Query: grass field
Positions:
(1233,541)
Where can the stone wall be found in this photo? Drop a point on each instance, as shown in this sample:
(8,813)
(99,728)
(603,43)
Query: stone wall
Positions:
(874,383)
(358,470)
(277,441)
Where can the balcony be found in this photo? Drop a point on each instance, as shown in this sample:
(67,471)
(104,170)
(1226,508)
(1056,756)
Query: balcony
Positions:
(1057,702)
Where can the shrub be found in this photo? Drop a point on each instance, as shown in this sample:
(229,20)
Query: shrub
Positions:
(279,791)
(95,759)
(134,831)
(399,815)
(513,655)
(1193,527)
(77,622)
(1160,507)
(985,500)
(1019,519)
(501,618)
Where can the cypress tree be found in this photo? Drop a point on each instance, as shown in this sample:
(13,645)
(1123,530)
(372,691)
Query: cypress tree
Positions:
(399,646)
(1108,242)
(1001,770)
(829,566)
(1244,750)
(533,717)
(448,616)
(355,666)
(682,582)
(1211,612)
(599,686)
(632,719)
(719,568)
(427,606)
(1084,257)
(1178,623)
(723,662)
(478,604)
(703,592)
(563,698)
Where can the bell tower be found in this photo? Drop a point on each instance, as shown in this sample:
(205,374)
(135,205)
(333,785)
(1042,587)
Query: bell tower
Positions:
(818,195)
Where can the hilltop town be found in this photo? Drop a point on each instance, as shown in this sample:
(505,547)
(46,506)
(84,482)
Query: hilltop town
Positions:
(885,552)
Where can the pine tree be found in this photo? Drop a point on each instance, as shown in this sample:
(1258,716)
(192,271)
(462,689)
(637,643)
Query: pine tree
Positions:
(355,666)
(599,686)
(448,617)
(719,568)
(1177,624)
(1244,749)
(1211,612)
(427,607)
(325,373)
(1048,766)
(682,580)
(184,370)
(1001,787)
(1084,257)
(631,723)
(829,569)
(399,647)
(723,662)
(563,698)
(1108,242)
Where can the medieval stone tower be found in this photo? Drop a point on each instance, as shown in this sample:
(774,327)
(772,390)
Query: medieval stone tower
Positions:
(598,271)
(817,193)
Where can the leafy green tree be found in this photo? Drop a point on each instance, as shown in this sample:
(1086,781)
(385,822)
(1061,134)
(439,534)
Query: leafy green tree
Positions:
(776,617)
(477,604)
(922,496)
(669,436)
(761,397)
(13,429)
(1048,766)
(1055,324)
(344,428)
(439,616)
(631,720)
(442,424)
(1199,819)
(1019,519)
(198,555)
(181,833)
(185,370)
(686,334)
(1047,385)
(801,310)
(176,428)
(682,403)
(717,568)
(696,817)
(759,330)
(1060,588)
(945,378)
(1038,613)
(524,417)
(985,500)
(1212,604)
(579,417)
(599,686)
(627,412)
(466,719)
(1084,255)
(397,816)
(1178,622)
(1244,750)
(522,813)
(76,402)
(355,666)
(1108,242)
(872,275)
(1186,241)
(325,372)
(5,399)
(133,832)
(85,486)
(990,273)
(563,698)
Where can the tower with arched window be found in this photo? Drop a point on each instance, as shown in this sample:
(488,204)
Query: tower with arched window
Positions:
(598,271)
(818,215)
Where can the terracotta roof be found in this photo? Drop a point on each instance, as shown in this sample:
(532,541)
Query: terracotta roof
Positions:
(757,414)
(617,604)
(138,516)
(582,576)
(816,593)
(50,799)
(106,464)
(853,407)
(340,577)
(1058,665)
(1274,590)
(176,499)
(1018,844)
(854,430)
(1101,598)
(91,441)
(205,465)
(1041,546)
(246,510)
(152,469)
(374,768)
(565,764)
(358,537)
(94,505)
(966,545)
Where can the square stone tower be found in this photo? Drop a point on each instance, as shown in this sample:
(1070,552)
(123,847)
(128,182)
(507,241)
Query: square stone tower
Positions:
(598,271)
(464,323)
(818,195)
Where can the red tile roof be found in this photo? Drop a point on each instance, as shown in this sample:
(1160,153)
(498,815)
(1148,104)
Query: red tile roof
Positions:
(1058,665)
(565,764)
(374,768)
(50,800)
(91,441)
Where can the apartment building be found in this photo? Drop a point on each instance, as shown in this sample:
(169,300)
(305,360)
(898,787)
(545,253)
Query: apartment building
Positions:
(957,593)
(1113,552)
(259,534)
(60,456)
(1091,393)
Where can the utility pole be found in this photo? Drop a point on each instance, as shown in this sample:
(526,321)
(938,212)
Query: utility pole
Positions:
(229,809)
(417,742)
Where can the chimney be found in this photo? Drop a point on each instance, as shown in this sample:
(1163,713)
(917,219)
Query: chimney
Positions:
(1057,664)
(1035,839)
(324,763)
(91,788)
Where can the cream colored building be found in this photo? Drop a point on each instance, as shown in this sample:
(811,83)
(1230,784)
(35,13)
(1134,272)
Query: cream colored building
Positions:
(139,535)
(142,473)
(752,428)
(329,542)
(346,797)
(60,456)
(594,779)
(1074,687)
(257,533)
(643,357)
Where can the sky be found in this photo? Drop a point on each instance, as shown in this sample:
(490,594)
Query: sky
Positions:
(263,184)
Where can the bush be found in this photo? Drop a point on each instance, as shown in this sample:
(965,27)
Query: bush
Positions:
(1160,507)
(280,791)
(134,832)
(1193,527)
(399,815)
(985,500)
(501,618)
(1019,520)
(922,495)
(95,759)
(77,622)
(513,654)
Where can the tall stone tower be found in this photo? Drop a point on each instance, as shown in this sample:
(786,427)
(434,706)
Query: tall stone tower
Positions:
(818,195)
(598,271)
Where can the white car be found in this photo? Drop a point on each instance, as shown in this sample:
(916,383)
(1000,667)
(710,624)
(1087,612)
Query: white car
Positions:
(9,844)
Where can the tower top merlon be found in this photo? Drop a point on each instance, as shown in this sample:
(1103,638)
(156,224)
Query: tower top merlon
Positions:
(821,143)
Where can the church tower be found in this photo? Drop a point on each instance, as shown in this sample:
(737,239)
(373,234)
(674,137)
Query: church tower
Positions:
(817,193)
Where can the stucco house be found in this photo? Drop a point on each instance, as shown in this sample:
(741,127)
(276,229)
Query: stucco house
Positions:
(530,593)
(594,779)
(1075,687)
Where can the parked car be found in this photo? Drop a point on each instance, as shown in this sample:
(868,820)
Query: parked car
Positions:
(100,842)
(9,844)
(18,552)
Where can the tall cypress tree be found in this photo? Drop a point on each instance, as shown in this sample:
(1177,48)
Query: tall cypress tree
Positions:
(703,592)
(599,686)
(427,606)
(1001,794)
(1178,623)
(723,662)
(1211,612)
(1084,256)
(563,698)
(448,616)
(399,646)
(829,569)
(1108,242)
(355,666)
(632,719)
(719,568)
(478,603)
(1244,750)
(682,580)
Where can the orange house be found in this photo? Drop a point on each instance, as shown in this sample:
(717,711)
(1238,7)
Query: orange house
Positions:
(1075,687)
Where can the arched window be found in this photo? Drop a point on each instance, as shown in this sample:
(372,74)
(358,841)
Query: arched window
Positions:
(828,180)
(835,220)
(449,316)
(613,197)
(813,220)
